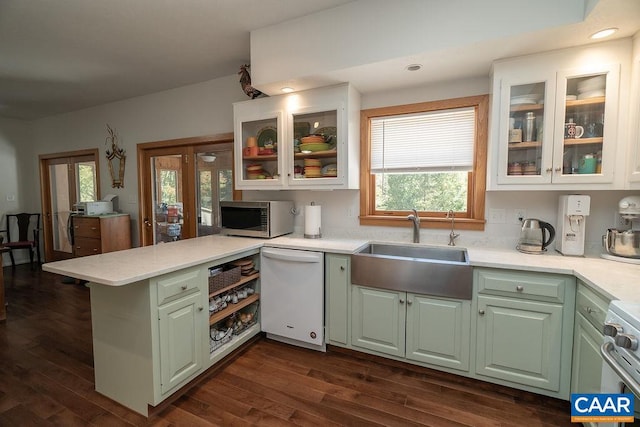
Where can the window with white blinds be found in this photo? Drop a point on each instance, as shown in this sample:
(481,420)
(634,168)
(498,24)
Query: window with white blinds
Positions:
(435,141)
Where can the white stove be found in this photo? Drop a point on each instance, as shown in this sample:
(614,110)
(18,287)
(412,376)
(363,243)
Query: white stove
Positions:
(621,352)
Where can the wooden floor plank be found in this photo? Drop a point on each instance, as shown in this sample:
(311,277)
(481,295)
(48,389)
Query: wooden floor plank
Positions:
(46,378)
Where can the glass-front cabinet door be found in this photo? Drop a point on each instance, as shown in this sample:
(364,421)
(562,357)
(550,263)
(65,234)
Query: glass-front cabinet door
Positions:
(526,131)
(259,135)
(585,132)
(314,148)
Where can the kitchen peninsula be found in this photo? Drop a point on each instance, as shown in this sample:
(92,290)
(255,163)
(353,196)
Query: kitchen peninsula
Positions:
(149,320)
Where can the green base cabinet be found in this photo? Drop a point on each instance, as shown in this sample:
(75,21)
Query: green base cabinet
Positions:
(591,310)
(181,354)
(519,341)
(438,331)
(420,328)
(338,297)
(378,320)
(524,328)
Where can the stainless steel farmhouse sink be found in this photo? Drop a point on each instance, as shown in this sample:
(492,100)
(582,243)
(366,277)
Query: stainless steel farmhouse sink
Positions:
(427,270)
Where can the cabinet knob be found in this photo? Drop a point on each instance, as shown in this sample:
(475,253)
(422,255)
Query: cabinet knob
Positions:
(200,308)
(409,302)
(519,288)
(481,312)
(401,301)
(558,169)
(183,287)
(549,169)
(342,268)
(93,228)
(589,310)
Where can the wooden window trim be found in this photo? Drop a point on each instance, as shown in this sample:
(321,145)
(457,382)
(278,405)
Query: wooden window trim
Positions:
(477,183)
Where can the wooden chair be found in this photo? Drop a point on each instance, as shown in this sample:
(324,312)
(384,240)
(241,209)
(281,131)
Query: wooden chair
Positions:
(26,224)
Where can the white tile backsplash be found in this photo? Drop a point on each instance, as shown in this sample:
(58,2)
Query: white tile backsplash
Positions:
(338,205)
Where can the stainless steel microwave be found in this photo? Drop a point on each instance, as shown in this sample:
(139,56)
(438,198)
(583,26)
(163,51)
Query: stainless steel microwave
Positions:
(257,219)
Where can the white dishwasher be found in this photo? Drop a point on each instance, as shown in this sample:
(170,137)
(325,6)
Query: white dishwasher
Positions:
(292,296)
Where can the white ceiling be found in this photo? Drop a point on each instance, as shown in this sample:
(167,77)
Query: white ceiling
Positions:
(63,55)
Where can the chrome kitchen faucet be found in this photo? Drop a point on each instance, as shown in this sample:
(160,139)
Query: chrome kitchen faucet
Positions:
(416,225)
(452,236)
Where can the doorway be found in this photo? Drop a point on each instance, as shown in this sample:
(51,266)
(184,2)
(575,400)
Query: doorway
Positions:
(181,184)
(65,180)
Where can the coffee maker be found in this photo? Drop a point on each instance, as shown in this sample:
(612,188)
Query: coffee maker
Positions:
(572,212)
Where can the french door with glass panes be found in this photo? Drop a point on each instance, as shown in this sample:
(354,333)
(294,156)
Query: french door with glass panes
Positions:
(67,179)
(182,187)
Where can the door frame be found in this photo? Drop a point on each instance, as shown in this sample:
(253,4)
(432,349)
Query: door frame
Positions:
(45,195)
(188,146)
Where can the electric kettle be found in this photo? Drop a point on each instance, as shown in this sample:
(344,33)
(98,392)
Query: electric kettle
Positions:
(532,236)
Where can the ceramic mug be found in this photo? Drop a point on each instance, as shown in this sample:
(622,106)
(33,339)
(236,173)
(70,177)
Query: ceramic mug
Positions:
(571,131)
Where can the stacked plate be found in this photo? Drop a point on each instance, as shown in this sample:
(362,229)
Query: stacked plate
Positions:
(313,143)
(312,168)
(592,87)
(530,98)
(254,171)
(330,170)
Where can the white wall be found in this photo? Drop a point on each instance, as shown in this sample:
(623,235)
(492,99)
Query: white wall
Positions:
(194,110)
(15,150)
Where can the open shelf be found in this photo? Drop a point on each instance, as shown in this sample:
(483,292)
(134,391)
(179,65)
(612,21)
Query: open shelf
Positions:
(232,308)
(242,281)
(527,107)
(590,101)
(524,145)
(269,157)
(316,154)
(583,141)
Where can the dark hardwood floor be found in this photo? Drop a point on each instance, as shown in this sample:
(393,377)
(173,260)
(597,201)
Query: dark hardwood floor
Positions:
(46,378)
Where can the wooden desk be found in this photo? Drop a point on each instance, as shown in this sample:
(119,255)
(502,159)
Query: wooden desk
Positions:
(3,305)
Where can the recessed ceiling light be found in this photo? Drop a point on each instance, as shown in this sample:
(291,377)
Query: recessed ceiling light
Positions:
(414,67)
(603,33)
(287,89)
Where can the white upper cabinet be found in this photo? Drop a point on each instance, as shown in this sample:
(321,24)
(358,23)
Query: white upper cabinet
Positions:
(303,140)
(634,122)
(556,118)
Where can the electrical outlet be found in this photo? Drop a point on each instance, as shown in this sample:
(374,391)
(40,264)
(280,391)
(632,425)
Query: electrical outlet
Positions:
(519,215)
(497,216)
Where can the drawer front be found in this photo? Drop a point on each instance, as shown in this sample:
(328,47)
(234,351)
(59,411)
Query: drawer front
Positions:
(176,285)
(520,284)
(592,306)
(86,227)
(84,246)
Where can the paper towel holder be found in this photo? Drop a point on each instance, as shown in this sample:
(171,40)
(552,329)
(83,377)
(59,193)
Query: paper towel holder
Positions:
(313,236)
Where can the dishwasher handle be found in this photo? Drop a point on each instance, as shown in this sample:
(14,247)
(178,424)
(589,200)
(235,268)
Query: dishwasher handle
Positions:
(292,256)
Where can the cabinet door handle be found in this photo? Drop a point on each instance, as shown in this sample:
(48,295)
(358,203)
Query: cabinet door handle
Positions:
(519,288)
(401,301)
(481,312)
(93,228)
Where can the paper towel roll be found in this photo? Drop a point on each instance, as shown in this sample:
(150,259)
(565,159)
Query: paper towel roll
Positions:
(312,222)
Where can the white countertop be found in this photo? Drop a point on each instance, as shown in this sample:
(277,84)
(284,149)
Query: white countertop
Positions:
(616,280)
(131,265)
